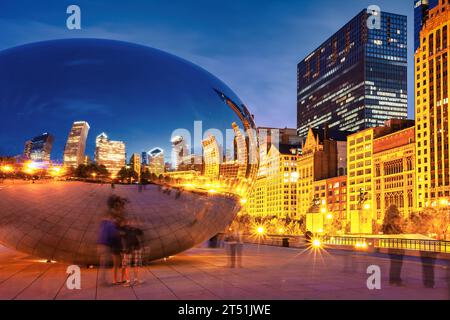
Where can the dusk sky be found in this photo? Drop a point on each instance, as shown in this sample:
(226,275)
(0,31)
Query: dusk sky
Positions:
(253,46)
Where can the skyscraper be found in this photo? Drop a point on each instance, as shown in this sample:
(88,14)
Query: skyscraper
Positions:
(41,147)
(212,157)
(27,149)
(156,161)
(432,118)
(421,9)
(76,144)
(135,163)
(179,151)
(109,153)
(144,158)
(357,78)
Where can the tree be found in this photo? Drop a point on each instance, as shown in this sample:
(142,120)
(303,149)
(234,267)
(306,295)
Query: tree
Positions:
(86,171)
(393,222)
(127,174)
(146,176)
(430,221)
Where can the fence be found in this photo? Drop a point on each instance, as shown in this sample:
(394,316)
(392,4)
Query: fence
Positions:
(393,243)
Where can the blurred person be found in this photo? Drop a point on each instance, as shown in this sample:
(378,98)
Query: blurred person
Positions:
(234,240)
(393,225)
(131,252)
(428,260)
(109,240)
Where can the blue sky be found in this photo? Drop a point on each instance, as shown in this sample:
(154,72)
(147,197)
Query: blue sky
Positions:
(252,45)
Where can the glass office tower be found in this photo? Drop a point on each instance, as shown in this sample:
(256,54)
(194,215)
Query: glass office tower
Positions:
(41,147)
(357,78)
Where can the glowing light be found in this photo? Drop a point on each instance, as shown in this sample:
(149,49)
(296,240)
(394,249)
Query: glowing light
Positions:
(361,245)
(281,231)
(7,168)
(56,171)
(260,230)
(316,243)
(329,216)
(443,202)
(243,201)
(366,206)
(323,210)
(212,191)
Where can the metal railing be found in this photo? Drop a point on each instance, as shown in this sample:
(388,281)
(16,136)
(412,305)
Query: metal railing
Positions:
(392,243)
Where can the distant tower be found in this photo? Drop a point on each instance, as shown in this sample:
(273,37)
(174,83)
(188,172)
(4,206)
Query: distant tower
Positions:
(144,158)
(76,144)
(27,149)
(109,153)
(135,163)
(156,161)
(41,147)
(179,151)
(212,157)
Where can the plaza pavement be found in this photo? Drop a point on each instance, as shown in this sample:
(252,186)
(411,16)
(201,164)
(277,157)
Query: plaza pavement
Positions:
(202,274)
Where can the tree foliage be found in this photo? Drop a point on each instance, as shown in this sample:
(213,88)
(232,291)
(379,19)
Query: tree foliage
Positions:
(86,171)
(393,222)
(430,221)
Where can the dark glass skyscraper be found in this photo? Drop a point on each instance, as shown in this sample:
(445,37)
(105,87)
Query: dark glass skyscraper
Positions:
(41,147)
(357,78)
(421,8)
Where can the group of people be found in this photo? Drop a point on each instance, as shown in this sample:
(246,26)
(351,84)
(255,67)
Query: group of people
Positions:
(120,244)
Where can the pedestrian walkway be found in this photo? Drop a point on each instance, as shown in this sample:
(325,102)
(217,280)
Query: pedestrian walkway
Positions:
(202,274)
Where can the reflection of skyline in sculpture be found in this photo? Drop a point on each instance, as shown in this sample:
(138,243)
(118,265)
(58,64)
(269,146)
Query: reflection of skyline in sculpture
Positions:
(76,144)
(156,161)
(41,147)
(212,158)
(109,153)
(179,150)
(143,101)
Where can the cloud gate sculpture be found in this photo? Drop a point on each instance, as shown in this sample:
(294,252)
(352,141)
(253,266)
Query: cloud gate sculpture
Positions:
(87,118)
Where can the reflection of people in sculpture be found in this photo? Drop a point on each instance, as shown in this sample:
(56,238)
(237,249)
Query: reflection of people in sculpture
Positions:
(235,246)
(109,241)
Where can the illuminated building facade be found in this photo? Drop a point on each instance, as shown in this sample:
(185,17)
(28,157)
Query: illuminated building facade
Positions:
(319,160)
(27,149)
(241,157)
(357,78)
(275,191)
(135,163)
(41,148)
(76,144)
(432,127)
(394,173)
(109,153)
(421,10)
(156,161)
(179,151)
(361,172)
(212,158)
